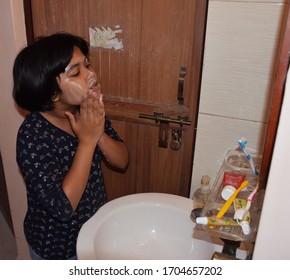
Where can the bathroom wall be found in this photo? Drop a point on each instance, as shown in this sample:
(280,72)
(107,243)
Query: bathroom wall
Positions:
(12,34)
(240,50)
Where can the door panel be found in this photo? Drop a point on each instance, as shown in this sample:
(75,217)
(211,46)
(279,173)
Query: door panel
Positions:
(164,44)
(159,37)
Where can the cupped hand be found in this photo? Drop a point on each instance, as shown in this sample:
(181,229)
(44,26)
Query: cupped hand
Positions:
(88,123)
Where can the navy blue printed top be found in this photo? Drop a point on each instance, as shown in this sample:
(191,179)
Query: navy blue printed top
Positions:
(44,155)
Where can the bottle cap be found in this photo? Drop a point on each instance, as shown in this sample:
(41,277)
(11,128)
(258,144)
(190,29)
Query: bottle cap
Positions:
(202,220)
(205,179)
(227,192)
(245,227)
(205,184)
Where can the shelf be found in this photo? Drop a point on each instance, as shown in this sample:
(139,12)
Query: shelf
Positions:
(235,162)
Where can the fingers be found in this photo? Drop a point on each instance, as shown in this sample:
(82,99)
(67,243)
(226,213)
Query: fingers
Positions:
(71,119)
(88,105)
(95,103)
(92,105)
(88,123)
(84,105)
(101,108)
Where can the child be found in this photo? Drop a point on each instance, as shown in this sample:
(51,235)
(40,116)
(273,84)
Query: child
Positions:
(61,142)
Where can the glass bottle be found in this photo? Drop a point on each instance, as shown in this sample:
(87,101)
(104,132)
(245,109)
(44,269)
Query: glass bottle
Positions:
(200,196)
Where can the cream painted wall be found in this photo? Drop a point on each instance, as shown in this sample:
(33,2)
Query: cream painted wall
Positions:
(240,53)
(12,33)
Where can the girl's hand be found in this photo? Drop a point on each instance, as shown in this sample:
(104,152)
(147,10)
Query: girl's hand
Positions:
(88,123)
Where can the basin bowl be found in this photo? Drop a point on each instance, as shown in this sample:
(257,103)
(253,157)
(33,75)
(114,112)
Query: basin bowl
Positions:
(143,226)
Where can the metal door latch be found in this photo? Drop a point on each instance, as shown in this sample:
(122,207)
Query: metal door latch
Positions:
(159,117)
(163,134)
(164,127)
(181,78)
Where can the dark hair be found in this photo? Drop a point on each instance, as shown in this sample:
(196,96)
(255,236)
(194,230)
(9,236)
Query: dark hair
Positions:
(37,66)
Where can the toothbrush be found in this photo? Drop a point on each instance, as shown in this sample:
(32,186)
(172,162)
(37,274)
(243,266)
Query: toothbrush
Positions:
(241,213)
(230,200)
(242,143)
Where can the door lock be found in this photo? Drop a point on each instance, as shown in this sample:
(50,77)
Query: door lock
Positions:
(175,144)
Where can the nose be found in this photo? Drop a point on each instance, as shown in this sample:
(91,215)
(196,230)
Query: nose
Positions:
(90,75)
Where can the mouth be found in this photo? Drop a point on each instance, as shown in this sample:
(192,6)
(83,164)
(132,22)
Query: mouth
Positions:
(94,86)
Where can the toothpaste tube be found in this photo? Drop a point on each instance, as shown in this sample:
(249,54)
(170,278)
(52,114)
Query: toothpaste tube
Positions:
(213,221)
(245,222)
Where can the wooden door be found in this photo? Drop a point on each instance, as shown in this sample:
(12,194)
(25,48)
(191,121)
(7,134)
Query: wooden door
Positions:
(144,77)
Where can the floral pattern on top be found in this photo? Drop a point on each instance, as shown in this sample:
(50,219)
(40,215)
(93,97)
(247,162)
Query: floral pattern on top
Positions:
(44,155)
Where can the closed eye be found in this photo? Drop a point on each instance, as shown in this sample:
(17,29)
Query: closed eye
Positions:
(74,74)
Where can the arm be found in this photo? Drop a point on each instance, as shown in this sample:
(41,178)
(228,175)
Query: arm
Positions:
(115,152)
(88,126)
(76,179)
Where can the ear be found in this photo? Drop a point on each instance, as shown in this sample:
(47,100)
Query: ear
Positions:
(57,93)
(55,97)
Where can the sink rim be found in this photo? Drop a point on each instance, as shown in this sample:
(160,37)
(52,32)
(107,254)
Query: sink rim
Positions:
(182,204)
(84,248)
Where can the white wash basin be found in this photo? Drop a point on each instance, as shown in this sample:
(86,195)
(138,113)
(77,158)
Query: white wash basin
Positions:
(143,226)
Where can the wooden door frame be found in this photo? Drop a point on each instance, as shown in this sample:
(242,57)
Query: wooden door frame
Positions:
(28,21)
(277,100)
(195,81)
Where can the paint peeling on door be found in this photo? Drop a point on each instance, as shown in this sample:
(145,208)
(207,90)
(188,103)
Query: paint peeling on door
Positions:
(105,38)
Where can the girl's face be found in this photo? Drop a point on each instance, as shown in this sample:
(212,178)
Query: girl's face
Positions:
(77,79)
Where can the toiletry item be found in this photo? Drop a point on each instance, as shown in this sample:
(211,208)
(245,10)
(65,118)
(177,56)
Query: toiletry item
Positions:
(200,196)
(214,221)
(242,143)
(230,200)
(195,213)
(240,204)
(231,182)
(242,212)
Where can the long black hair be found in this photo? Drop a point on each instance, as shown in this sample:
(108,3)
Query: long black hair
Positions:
(37,66)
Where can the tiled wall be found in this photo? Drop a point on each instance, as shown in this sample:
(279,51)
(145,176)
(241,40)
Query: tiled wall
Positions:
(240,51)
